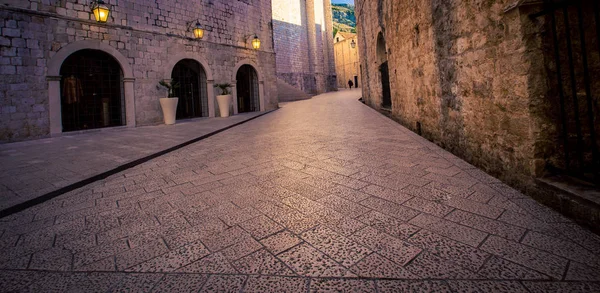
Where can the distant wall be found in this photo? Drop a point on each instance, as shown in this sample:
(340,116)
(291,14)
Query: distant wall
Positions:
(347,62)
(302,32)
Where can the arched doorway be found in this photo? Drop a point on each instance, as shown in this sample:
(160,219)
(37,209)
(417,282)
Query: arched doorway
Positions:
(247,89)
(192,91)
(386,99)
(91,91)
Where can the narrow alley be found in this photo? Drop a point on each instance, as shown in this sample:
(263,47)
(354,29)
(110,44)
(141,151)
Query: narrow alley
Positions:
(321,195)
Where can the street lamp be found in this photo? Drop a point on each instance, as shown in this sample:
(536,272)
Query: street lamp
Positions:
(353,44)
(100,10)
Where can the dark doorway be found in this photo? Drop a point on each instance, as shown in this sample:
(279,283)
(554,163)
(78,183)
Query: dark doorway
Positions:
(356,81)
(91,91)
(386,93)
(192,92)
(386,101)
(247,89)
(572,43)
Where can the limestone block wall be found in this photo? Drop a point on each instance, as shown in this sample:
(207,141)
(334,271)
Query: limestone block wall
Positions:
(460,74)
(291,44)
(149,36)
(303,44)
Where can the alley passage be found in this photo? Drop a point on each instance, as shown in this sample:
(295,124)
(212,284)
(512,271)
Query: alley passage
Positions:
(323,194)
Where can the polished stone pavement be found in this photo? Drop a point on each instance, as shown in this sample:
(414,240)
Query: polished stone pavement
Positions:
(323,195)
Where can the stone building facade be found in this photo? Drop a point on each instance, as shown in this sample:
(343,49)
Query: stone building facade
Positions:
(347,64)
(60,67)
(491,81)
(303,40)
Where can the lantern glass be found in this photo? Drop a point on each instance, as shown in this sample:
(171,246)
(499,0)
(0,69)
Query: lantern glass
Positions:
(256,43)
(101,12)
(198,31)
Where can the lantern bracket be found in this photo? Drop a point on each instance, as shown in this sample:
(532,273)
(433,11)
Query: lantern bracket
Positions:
(96,3)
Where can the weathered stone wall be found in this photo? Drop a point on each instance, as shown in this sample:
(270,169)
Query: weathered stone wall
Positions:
(459,74)
(303,43)
(347,62)
(149,34)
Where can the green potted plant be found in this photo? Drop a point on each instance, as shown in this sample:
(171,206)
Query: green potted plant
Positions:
(169,104)
(224,99)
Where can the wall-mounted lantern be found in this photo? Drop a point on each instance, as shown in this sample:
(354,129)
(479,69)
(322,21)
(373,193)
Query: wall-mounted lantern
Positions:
(101,11)
(197,29)
(255,42)
(353,44)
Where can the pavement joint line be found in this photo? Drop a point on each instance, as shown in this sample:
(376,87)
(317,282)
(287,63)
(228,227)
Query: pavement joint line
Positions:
(41,271)
(81,183)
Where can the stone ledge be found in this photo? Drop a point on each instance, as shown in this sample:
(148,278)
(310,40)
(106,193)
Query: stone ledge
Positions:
(573,198)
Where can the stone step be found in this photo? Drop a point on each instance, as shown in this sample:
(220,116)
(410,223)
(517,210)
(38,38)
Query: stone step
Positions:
(572,197)
(288,93)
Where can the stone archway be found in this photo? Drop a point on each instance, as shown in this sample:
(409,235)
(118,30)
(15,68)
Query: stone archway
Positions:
(259,76)
(91,91)
(247,89)
(210,91)
(54,79)
(191,90)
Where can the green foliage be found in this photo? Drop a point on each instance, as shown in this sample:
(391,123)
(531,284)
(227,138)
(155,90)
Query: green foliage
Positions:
(344,18)
(170,86)
(224,88)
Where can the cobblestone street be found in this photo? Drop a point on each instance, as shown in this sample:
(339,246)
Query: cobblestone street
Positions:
(322,195)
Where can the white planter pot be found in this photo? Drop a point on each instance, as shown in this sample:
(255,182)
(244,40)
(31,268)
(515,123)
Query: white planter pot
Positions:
(224,102)
(169,108)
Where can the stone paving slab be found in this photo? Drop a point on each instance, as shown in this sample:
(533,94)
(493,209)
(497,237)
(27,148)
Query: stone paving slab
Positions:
(29,169)
(324,195)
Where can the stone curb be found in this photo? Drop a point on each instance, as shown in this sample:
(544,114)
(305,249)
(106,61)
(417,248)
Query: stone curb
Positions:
(50,195)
